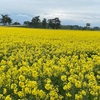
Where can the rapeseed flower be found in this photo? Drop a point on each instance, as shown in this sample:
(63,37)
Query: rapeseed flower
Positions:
(49,64)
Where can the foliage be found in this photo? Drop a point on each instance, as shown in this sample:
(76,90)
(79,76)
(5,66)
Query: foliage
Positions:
(35,22)
(27,23)
(88,24)
(44,23)
(54,23)
(16,23)
(5,19)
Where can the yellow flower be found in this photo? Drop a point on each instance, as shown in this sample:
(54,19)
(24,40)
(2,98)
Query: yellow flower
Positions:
(4,91)
(3,62)
(84,84)
(68,94)
(31,84)
(22,78)
(15,90)
(96,98)
(78,84)
(1,95)
(98,76)
(27,90)
(24,63)
(21,84)
(52,93)
(63,77)
(10,63)
(3,67)
(98,72)
(48,81)
(20,94)
(8,97)
(83,92)
(92,93)
(34,91)
(13,86)
(77,97)
(52,98)
(48,86)
(67,86)
(34,74)
(42,94)
(71,79)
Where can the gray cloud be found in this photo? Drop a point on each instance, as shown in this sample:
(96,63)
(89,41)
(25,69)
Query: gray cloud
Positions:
(76,11)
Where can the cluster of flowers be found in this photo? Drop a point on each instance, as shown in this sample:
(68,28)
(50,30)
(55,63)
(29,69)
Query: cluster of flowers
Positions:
(49,64)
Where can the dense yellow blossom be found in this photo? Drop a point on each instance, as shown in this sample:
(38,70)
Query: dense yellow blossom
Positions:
(8,97)
(83,92)
(21,78)
(63,77)
(38,64)
(4,91)
(68,95)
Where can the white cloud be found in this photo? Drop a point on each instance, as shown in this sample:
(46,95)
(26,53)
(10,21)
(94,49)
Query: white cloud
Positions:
(78,11)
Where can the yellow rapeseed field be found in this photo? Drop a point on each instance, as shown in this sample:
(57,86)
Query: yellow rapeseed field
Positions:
(38,64)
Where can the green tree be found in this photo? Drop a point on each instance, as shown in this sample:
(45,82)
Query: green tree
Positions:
(27,23)
(9,20)
(44,23)
(50,23)
(54,23)
(35,21)
(6,19)
(88,25)
(16,23)
(57,23)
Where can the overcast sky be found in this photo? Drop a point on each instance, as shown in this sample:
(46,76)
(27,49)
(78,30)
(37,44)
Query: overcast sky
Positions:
(69,11)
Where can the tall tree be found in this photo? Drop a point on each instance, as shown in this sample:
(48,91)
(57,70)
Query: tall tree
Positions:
(57,23)
(50,23)
(35,21)
(44,23)
(16,23)
(54,23)
(9,20)
(6,19)
(27,23)
(88,25)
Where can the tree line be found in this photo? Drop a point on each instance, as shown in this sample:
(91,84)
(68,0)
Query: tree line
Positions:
(54,23)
